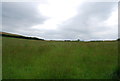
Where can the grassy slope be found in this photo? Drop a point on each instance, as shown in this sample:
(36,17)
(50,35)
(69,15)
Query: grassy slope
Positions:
(9,34)
(0,58)
(31,59)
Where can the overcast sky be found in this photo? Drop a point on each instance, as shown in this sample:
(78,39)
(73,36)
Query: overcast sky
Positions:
(61,19)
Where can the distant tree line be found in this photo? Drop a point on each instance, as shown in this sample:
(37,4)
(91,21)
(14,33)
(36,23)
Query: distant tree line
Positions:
(35,38)
(72,40)
(77,40)
(22,37)
(118,39)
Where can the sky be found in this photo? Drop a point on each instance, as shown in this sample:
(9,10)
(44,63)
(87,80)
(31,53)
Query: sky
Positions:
(62,19)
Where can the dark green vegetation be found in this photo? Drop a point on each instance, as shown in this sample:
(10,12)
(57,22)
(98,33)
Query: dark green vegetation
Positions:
(4,34)
(34,59)
(0,58)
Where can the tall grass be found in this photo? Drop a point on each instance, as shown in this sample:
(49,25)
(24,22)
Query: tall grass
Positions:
(32,59)
(0,58)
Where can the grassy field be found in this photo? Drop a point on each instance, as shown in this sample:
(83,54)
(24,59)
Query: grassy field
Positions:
(0,58)
(32,59)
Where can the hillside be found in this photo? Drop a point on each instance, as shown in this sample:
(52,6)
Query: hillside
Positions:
(4,34)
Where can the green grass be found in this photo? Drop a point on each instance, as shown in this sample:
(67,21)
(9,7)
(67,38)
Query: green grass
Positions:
(32,59)
(0,58)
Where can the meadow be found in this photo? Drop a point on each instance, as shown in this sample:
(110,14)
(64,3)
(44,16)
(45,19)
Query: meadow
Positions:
(35,59)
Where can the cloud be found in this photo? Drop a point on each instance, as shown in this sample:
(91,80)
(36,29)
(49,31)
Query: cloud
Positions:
(91,20)
(0,16)
(58,11)
(20,15)
(90,23)
(118,19)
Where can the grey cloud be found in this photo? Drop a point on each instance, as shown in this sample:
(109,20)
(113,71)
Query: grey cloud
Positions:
(0,16)
(85,24)
(119,19)
(20,15)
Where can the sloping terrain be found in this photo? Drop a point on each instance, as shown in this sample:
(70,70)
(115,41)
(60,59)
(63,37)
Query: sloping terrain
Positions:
(9,34)
(4,34)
